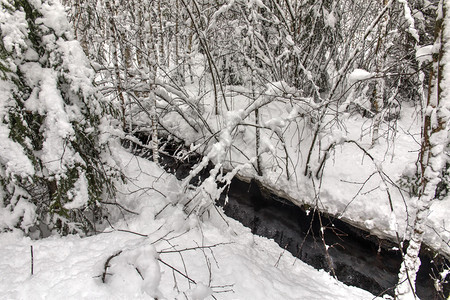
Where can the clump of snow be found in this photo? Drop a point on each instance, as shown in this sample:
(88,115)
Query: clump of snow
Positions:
(369,224)
(424,54)
(201,292)
(393,224)
(53,17)
(359,74)
(13,29)
(275,124)
(289,40)
(409,170)
(13,157)
(232,118)
(279,88)
(21,213)
(409,18)
(141,266)
(81,194)
(77,65)
(267,146)
(329,18)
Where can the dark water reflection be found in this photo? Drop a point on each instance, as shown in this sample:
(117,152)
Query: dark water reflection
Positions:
(358,259)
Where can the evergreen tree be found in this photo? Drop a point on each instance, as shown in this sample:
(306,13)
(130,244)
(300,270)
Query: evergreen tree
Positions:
(53,158)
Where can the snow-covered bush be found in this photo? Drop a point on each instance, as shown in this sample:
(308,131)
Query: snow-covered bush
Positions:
(53,129)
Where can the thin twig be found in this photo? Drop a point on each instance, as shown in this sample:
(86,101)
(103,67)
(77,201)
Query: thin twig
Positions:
(107,265)
(120,206)
(32,260)
(176,270)
(129,231)
(194,248)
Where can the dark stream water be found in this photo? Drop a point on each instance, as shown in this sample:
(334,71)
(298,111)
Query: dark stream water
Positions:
(357,258)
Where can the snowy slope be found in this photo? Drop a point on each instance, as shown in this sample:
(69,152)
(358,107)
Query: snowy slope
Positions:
(238,266)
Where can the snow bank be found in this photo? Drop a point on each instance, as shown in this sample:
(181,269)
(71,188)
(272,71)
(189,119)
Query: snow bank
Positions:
(238,265)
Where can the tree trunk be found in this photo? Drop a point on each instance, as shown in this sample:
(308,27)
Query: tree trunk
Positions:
(378,94)
(161,37)
(115,61)
(154,119)
(432,155)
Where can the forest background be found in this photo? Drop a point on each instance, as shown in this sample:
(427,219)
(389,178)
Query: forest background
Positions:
(340,106)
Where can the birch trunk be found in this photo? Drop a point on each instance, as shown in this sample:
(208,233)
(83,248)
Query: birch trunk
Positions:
(432,155)
(115,62)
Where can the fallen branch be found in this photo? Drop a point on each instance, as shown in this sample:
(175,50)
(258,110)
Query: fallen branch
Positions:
(105,272)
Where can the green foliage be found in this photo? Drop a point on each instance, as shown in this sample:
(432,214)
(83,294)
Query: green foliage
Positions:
(410,183)
(443,187)
(53,119)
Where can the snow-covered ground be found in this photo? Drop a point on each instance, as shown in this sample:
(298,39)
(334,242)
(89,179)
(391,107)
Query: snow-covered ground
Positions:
(176,256)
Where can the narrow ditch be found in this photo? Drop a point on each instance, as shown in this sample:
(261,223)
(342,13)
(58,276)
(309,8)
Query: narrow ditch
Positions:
(358,258)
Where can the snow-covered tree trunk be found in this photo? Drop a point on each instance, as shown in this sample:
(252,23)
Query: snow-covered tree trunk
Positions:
(153,64)
(379,90)
(432,155)
(257,138)
(114,44)
(154,120)
(179,62)
(161,36)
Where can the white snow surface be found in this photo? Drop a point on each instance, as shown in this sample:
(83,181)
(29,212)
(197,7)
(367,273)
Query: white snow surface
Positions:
(359,74)
(242,266)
